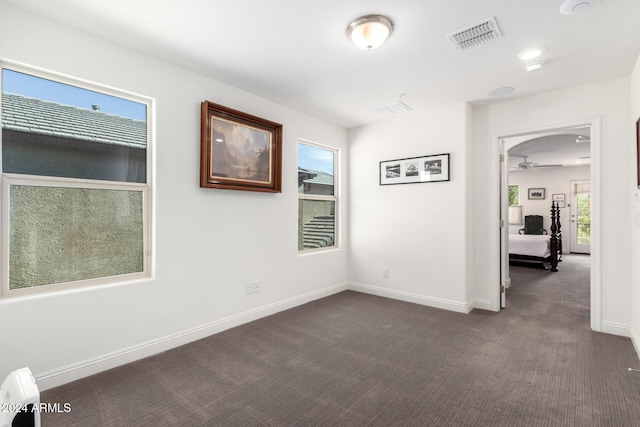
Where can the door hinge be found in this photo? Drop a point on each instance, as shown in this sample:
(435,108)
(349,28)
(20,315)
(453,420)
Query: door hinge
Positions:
(502,289)
(501,158)
(502,223)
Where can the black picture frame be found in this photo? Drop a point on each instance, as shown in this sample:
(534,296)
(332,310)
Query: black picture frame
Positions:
(412,170)
(536,194)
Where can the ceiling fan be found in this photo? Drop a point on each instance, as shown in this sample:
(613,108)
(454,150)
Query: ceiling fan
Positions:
(526,165)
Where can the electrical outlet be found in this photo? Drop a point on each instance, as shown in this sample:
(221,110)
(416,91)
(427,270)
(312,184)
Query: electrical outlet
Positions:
(253,287)
(385,272)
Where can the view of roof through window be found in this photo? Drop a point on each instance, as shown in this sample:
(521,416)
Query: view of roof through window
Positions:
(36,87)
(52,128)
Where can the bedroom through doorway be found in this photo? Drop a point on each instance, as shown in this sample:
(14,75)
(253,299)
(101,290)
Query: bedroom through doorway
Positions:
(544,170)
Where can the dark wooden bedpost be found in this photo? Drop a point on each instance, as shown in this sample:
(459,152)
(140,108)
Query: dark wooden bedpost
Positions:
(553,244)
(559,233)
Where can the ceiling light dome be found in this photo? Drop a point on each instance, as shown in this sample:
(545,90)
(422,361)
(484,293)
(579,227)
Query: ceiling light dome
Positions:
(534,67)
(369,31)
(531,54)
(571,7)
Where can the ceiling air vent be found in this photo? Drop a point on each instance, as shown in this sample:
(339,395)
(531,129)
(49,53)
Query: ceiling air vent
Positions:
(476,34)
(395,108)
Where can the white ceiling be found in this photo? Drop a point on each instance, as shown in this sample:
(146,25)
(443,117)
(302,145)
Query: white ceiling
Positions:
(564,147)
(296,52)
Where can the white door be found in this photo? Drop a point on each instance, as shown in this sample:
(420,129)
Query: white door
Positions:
(580,234)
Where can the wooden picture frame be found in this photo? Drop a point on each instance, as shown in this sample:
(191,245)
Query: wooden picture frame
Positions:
(412,170)
(239,151)
(536,194)
(559,198)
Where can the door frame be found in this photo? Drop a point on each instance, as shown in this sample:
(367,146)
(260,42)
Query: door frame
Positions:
(502,257)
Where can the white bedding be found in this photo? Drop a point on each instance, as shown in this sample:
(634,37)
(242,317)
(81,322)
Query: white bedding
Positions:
(529,244)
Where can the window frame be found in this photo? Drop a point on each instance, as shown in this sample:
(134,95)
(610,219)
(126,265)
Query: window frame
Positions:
(320,197)
(8,179)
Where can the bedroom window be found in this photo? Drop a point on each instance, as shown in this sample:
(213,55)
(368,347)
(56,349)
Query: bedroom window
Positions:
(75,183)
(514,195)
(317,199)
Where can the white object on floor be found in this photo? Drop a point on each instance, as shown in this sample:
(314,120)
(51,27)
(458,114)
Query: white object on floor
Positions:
(18,391)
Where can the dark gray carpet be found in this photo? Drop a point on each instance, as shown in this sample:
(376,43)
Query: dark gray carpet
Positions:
(359,360)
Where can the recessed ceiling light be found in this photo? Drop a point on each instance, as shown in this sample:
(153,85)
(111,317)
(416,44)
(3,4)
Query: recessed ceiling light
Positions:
(533,67)
(571,7)
(501,91)
(530,54)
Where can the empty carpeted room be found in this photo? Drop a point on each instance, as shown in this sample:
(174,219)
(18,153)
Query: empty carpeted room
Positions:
(160,264)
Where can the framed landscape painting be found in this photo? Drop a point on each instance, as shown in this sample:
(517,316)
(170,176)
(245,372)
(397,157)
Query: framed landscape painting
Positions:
(415,169)
(239,151)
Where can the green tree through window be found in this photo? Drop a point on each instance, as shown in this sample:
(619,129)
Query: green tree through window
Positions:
(514,195)
(584,218)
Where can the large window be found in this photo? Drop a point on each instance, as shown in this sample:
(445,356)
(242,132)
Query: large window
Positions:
(75,183)
(317,200)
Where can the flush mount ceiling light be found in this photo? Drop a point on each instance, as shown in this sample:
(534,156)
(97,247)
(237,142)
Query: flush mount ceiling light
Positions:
(571,7)
(369,31)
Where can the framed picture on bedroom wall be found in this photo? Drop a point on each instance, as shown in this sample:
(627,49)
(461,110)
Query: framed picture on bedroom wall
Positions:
(559,199)
(415,169)
(536,194)
(239,151)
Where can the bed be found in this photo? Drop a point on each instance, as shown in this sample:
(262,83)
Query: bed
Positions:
(536,246)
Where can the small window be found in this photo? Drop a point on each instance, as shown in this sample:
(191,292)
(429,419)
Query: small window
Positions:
(317,201)
(75,181)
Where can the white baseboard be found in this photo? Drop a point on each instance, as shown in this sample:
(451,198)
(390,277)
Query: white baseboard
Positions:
(85,368)
(635,339)
(457,306)
(482,304)
(614,328)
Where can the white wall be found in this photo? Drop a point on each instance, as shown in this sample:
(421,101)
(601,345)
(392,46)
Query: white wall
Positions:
(553,180)
(389,225)
(635,211)
(419,231)
(208,242)
(608,100)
